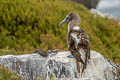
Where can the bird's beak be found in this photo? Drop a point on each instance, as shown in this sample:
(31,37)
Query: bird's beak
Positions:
(62,22)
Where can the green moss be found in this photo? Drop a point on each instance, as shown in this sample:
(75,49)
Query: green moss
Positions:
(33,24)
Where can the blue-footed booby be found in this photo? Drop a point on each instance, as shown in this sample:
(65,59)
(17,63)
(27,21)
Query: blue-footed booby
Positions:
(78,41)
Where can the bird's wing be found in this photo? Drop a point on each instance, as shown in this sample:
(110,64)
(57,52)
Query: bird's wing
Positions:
(79,46)
(80,37)
(81,43)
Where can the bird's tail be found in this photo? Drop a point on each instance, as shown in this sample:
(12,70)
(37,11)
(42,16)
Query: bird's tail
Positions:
(82,62)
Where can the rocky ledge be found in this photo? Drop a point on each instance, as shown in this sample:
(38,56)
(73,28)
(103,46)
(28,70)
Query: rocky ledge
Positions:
(57,64)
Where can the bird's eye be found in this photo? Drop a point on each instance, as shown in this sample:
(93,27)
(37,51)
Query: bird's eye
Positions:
(68,18)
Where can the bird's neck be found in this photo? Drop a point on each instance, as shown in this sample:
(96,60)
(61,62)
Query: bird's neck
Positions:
(72,25)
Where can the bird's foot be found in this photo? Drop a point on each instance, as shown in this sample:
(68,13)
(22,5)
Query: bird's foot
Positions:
(70,56)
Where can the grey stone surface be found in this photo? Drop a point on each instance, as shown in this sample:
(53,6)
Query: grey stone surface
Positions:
(57,64)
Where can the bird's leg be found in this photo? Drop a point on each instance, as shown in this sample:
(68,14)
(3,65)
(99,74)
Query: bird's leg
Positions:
(78,66)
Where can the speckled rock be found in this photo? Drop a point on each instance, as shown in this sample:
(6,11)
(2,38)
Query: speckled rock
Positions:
(57,64)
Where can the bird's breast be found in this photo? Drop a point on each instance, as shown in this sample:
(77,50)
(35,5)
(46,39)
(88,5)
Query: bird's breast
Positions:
(75,37)
(76,28)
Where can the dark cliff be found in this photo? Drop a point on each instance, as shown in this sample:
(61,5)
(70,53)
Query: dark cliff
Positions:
(88,3)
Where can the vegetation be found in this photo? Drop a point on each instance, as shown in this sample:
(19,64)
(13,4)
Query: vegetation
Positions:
(5,74)
(26,25)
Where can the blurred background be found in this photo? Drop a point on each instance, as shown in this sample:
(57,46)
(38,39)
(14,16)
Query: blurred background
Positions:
(110,6)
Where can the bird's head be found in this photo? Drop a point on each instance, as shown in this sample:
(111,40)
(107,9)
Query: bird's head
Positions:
(72,16)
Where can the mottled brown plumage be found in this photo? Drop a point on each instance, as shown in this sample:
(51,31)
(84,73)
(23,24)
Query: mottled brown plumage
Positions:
(78,41)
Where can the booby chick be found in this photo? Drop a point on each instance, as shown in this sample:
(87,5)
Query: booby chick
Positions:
(78,41)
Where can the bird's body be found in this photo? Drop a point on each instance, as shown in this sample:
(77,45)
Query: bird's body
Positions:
(78,41)
(78,44)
